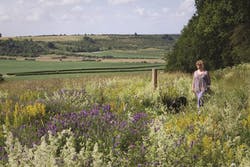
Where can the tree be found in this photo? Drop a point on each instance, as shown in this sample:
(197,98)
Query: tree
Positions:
(0,35)
(213,34)
(25,47)
(51,45)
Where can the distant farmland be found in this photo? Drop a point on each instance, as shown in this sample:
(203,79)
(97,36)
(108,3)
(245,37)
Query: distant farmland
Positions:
(13,68)
(75,54)
(90,46)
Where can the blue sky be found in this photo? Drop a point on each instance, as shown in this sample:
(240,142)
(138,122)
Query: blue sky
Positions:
(46,17)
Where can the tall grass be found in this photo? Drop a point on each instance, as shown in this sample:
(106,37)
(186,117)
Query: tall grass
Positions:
(121,121)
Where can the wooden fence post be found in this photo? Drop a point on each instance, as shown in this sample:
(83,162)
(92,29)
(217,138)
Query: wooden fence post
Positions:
(154,78)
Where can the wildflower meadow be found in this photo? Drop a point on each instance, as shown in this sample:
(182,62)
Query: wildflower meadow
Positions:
(121,120)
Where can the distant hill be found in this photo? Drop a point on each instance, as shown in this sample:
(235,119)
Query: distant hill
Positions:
(33,46)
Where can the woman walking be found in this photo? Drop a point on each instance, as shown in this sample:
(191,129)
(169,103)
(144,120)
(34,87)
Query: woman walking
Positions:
(201,82)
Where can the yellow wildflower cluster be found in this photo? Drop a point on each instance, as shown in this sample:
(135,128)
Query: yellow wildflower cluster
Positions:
(246,122)
(25,113)
(207,144)
(28,96)
(31,109)
(184,122)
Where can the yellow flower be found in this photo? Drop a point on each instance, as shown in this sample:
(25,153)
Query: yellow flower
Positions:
(207,144)
(183,123)
(191,138)
(36,109)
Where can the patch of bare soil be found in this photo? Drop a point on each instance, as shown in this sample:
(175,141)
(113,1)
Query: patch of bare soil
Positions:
(115,60)
(134,60)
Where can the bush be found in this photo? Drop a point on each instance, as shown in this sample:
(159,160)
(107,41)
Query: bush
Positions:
(1,77)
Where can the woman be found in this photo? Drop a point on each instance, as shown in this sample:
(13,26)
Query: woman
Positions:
(201,82)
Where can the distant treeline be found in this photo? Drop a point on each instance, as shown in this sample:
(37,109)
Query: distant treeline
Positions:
(218,33)
(27,48)
(31,48)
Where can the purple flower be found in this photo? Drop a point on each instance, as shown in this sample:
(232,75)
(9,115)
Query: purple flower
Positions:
(94,111)
(83,113)
(106,108)
(139,116)
(123,124)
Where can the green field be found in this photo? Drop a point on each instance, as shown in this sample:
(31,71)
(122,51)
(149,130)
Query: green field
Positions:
(149,53)
(43,70)
(91,47)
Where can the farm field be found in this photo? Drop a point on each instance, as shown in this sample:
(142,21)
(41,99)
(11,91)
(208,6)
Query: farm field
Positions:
(63,53)
(149,53)
(89,46)
(7,66)
(120,120)
(66,68)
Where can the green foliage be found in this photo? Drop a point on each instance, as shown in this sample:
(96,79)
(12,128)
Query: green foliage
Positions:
(26,47)
(87,44)
(217,33)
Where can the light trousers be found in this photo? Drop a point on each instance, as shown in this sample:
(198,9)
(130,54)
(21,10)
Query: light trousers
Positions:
(200,98)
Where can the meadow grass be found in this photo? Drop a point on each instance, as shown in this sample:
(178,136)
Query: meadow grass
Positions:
(120,120)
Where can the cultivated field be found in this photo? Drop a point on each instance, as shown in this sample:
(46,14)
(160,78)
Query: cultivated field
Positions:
(27,69)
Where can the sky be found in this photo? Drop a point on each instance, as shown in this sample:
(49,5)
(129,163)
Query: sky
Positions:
(48,17)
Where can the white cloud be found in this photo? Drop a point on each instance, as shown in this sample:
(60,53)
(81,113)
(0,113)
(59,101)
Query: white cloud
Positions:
(66,17)
(146,12)
(140,11)
(77,8)
(69,2)
(20,2)
(93,16)
(117,2)
(33,16)
(186,8)
(165,10)
(62,2)
(153,14)
(87,1)
(4,17)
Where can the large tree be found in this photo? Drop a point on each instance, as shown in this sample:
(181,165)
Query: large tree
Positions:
(218,33)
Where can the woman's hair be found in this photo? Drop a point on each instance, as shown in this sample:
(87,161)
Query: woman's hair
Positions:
(199,62)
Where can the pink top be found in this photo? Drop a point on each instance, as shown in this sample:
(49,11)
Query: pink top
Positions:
(201,81)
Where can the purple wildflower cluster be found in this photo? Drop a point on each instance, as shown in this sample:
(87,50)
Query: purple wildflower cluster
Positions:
(116,131)
(100,124)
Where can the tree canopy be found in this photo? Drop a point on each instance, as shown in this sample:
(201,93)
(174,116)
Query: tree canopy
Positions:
(218,33)
(27,48)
